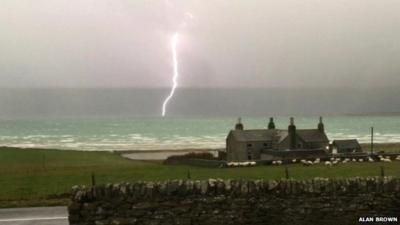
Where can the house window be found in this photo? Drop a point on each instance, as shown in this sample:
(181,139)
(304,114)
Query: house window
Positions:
(249,155)
(268,145)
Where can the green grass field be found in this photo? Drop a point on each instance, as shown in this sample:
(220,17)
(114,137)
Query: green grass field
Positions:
(44,177)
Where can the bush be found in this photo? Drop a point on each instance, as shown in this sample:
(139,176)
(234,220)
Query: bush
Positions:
(192,155)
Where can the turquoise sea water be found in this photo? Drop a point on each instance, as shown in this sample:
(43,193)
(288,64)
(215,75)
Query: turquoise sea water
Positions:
(174,133)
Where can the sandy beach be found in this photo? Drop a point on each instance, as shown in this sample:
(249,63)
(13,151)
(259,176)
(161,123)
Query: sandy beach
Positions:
(162,154)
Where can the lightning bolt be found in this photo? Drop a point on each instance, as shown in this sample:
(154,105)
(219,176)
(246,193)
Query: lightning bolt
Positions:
(174,45)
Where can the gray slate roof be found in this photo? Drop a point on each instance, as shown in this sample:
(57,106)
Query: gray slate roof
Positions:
(254,135)
(347,144)
(312,135)
(308,135)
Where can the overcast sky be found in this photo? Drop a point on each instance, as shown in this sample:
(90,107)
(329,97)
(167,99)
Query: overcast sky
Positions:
(228,43)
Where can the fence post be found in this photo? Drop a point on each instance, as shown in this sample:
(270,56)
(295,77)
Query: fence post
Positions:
(286,172)
(93,179)
(372,140)
(382,171)
(44,161)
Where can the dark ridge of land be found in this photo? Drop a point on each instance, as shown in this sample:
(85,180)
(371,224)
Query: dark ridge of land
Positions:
(170,150)
(382,147)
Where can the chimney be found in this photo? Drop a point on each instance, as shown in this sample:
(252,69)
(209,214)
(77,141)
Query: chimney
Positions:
(271,124)
(292,134)
(239,125)
(321,125)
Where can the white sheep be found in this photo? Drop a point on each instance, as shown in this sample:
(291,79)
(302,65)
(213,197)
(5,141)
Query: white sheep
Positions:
(328,163)
(234,164)
(253,163)
(245,163)
(279,162)
(354,160)
(386,160)
(370,159)
(294,160)
(361,160)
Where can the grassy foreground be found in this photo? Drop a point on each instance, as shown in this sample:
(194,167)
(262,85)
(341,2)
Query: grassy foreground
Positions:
(33,177)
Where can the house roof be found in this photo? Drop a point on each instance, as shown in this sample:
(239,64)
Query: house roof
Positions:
(346,144)
(282,134)
(307,135)
(254,135)
(312,135)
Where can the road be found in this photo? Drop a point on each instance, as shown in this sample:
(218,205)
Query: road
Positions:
(34,216)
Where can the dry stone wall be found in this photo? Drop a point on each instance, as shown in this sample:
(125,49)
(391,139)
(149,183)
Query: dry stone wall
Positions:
(189,202)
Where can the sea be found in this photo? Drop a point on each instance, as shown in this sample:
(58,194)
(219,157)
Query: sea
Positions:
(175,133)
(115,119)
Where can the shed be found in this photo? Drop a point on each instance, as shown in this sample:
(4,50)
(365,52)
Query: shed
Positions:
(346,146)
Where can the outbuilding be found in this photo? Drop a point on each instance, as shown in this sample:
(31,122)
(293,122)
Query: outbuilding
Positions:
(346,146)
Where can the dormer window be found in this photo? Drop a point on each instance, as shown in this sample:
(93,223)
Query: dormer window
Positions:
(267,145)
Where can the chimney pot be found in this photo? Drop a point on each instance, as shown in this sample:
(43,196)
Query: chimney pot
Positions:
(239,125)
(271,124)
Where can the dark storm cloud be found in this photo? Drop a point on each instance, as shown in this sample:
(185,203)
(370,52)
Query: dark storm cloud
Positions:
(255,43)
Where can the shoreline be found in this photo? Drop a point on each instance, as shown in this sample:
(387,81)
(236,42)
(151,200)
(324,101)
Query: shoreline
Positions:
(366,147)
(162,154)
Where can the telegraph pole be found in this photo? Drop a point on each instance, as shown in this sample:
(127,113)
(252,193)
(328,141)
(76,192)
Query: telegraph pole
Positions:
(372,140)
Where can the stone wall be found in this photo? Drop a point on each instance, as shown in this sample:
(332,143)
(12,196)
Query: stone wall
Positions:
(316,201)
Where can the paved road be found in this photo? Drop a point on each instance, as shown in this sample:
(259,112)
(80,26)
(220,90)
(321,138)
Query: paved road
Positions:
(34,216)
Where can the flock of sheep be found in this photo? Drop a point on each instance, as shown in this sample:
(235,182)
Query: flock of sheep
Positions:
(337,161)
(330,162)
(241,164)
